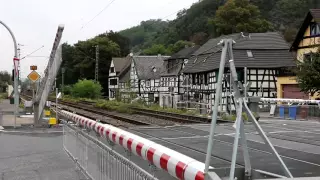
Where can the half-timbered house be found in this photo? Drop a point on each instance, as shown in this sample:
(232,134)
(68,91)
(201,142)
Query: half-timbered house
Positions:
(171,78)
(307,41)
(144,77)
(117,65)
(258,58)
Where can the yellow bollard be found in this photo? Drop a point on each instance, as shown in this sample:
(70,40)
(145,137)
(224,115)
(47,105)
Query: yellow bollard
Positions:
(47,113)
(52,121)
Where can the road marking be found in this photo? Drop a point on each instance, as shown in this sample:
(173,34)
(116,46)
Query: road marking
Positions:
(194,137)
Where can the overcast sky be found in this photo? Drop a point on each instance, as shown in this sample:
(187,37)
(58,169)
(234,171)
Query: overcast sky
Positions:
(35,22)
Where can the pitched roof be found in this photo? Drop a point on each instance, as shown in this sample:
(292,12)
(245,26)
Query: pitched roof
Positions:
(184,53)
(312,14)
(315,14)
(149,67)
(124,76)
(124,73)
(119,63)
(269,50)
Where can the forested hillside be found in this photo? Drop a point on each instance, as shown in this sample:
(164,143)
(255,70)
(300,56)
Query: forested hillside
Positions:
(203,20)
(200,22)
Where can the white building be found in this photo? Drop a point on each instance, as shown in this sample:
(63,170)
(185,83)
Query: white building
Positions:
(258,58)
(117,66)
(171,87)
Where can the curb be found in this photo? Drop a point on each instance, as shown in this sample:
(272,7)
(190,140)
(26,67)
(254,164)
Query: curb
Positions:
(30,130)
(271,117)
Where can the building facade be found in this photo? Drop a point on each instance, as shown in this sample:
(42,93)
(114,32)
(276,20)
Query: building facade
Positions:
(307,41)
(116,66)
(139,76)
(258,58)
(171,82)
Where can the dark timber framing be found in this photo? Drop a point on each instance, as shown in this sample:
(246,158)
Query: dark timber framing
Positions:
(261,54)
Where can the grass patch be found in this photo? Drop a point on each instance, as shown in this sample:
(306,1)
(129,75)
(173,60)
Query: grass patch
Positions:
(233,117)
(122,107)
(156,107)
(115,106)
(3,95)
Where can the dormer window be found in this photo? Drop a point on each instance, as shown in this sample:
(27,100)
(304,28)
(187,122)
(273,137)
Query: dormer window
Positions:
(112,69)
(249,53)
(314,29)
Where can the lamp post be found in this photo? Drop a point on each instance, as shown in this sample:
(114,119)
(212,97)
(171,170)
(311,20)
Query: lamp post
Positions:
(15,60)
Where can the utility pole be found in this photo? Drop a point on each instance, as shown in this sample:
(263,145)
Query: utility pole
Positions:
(96,77)
(16,61)
(62,86)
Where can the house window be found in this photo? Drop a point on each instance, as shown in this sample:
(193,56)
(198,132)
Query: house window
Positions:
(112,94)
(112,69)
(249,53)
(314,29)
(113,82)
(148,83)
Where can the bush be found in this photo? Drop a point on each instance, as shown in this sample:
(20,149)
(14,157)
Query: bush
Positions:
(86,89)
(67,90)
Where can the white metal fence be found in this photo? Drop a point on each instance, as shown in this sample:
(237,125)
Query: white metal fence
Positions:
(98,161)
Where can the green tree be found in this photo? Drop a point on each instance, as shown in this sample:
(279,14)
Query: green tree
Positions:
(156,49)
(87,89)
(308,74)
(5,79)
(289,13)
(239,16)
(122,41)
(79,60)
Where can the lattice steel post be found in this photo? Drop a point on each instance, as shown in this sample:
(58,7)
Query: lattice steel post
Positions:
(96,77)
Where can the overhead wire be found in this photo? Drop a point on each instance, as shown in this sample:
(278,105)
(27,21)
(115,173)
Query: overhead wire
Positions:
(106,7)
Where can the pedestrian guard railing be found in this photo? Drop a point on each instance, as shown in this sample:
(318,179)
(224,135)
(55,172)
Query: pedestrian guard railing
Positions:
(99,161)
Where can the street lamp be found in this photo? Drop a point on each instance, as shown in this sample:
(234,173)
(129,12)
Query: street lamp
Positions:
(16,65)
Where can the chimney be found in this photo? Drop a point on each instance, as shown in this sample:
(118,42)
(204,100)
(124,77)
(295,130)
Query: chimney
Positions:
(245,35)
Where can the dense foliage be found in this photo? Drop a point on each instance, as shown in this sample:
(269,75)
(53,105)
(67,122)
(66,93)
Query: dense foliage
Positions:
(86,89)
(5,79)
(308,74)
(203,20)
(239,16)
(79,59)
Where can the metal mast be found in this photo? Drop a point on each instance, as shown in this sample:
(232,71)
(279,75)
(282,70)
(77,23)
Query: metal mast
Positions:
(96,77)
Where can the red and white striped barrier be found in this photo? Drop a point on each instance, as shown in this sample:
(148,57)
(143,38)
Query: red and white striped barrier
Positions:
(289,100)
(176,164)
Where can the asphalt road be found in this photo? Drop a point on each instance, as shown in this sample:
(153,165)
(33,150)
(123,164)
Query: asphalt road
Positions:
(35,156)
(297,142)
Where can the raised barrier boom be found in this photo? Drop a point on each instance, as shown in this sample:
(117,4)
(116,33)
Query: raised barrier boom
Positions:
(176,164)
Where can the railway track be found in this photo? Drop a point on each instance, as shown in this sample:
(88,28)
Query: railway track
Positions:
(105,113)
(167,116)
(180,118)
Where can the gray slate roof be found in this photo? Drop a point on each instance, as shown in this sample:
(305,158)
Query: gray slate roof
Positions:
(145,64)
(315,14)
(125,75)
(119,63)
(269,50)
(178,57)
(184,53)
